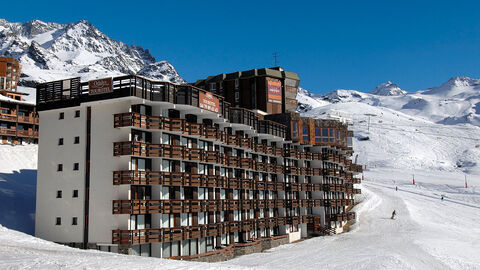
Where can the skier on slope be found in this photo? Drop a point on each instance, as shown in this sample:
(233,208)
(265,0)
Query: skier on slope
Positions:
(393,214)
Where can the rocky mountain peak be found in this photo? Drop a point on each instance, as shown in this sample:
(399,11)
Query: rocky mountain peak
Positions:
(461,81)
(388,89)
(51,51)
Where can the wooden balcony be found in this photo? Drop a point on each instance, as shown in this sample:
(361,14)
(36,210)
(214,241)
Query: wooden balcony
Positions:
(290,153)
(246,163)
(245,142)
(356,168)
(292,170)
(28,119)
(210,132)
(194,129)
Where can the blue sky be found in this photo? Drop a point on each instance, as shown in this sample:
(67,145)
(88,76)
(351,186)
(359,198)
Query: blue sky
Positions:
(330,44)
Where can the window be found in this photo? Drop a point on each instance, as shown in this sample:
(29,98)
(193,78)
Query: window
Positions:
(59,167)
(324,134)
(58,221)
(74,221)
(294,130)
(61,115)
(318,135)
(75,166)
(75,193)
(332,135)
(213,87)
(237,96)
(60,141)
(77,113)
(305,133)
(59,194)
(237,83)
(77,140)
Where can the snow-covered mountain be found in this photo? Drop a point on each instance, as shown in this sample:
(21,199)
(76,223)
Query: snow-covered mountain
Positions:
(457,101)
(52,51)
(388,89)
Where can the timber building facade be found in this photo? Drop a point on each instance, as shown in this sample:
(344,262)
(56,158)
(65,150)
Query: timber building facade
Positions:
(151,168)
(18,118)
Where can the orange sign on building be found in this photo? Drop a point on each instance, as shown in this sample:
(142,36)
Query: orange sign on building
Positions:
(274,87)
(208,102)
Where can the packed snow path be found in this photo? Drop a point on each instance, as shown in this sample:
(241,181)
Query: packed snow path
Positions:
(427,233)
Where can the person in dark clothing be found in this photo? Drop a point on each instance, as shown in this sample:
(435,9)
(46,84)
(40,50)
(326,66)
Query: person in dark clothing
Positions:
(396,188)
(442,197)
(393,214)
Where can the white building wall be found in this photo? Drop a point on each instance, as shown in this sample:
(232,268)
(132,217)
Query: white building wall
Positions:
(49,180)
(103,163)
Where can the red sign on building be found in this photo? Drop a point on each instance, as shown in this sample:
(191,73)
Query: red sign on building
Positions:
(100,86)
(208,102)
(274,87)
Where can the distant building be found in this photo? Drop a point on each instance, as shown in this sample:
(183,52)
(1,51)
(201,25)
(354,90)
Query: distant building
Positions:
(271,90)
(151,168)
(18,118)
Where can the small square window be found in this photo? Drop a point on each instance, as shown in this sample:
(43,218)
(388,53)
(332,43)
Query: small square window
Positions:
(59,194)
(75,166)
(77,113)
(74,221)
(58,221)
(77,140)
(61,115)
(60,167)
(60,141)
(75,193)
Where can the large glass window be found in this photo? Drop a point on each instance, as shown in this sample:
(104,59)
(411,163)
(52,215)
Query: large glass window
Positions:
(318,134)
(294,130)
(332,135)
(305,133)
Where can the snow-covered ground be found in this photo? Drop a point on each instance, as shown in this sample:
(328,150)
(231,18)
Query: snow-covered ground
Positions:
(403,141)
(18,177)
(427,234)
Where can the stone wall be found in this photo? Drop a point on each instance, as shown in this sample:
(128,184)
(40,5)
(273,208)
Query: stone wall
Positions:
(239,249)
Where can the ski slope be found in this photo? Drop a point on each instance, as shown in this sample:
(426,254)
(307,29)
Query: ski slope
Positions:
(428,233)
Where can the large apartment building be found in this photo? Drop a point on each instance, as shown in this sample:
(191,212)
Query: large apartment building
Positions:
(151,168)
(18,117)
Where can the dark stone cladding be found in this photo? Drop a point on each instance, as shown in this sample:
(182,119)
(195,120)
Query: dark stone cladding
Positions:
(235,250)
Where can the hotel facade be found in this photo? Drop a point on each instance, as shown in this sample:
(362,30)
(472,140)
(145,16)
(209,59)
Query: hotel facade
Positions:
(18,118)
(151,168)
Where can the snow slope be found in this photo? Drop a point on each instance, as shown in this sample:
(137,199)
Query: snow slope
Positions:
(18,177)
(21,251)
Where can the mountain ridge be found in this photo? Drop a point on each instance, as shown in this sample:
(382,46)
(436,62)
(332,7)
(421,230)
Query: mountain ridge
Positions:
(52,51)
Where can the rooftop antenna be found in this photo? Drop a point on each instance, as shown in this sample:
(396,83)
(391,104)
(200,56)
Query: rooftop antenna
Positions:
(275,55)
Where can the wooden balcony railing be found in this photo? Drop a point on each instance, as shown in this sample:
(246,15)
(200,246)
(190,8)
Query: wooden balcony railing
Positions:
(142,236)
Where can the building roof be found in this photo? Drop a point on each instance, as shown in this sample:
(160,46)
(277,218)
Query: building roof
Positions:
(274,72)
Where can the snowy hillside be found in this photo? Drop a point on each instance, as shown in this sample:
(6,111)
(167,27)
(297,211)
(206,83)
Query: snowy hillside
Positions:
(52,51)
(457,101)
(18,176)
